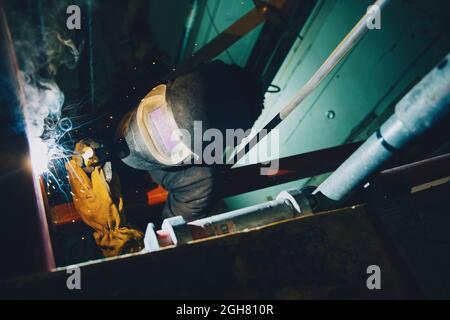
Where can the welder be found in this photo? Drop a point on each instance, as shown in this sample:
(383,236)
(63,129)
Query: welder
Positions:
(150,138)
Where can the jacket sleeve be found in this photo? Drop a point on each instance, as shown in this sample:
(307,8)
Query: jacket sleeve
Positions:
(193,190)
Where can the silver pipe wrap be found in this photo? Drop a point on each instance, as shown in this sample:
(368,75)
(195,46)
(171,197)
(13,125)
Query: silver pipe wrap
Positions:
(416,112)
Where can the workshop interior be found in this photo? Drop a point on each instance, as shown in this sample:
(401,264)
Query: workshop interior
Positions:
(343,181)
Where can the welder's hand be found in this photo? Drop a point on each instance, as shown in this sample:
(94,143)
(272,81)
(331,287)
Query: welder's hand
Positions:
(91,197)
(84,154)
(92,200)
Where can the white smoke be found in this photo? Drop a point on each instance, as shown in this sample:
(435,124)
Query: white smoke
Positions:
(43,46)
(41,102)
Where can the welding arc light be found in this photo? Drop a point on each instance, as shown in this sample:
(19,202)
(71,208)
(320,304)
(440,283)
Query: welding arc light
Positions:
(39,155)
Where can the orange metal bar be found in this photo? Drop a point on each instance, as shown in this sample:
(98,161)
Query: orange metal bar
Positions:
(157,196)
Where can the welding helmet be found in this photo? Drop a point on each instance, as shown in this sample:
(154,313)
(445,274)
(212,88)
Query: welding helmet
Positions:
(148,135)
(216,94)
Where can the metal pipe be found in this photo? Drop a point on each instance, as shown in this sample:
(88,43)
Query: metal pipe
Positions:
(182,232)
(288,204)
(346,45)
(187,31)
(415,113)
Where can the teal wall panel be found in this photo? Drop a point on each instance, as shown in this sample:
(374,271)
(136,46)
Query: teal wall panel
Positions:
(167,20)
(219,15)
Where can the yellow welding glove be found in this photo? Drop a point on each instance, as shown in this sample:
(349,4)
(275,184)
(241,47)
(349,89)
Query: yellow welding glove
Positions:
(92,200)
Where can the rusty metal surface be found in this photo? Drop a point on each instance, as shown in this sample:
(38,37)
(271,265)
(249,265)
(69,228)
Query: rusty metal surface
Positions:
(316,257)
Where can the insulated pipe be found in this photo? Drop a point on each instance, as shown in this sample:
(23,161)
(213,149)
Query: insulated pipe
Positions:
(288,204)
(182,232)
(346,45)
(416,112)
(187,31)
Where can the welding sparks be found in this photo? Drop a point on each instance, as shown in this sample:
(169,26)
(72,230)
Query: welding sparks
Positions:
(43,152)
